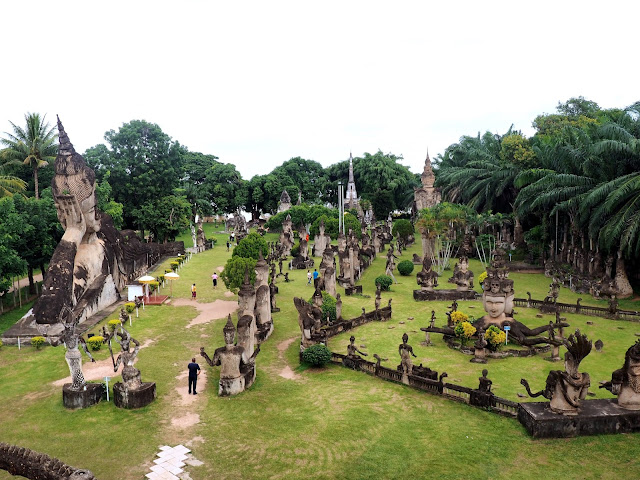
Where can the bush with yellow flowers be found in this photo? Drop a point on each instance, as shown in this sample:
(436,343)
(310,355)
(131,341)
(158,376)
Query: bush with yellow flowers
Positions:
(495,338)
(457,317)
(464,331)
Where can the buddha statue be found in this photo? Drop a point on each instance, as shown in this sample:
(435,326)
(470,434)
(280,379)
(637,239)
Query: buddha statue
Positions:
(625,382)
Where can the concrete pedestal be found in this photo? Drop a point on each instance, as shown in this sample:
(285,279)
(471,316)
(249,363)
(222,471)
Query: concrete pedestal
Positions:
(595,417)
(137,398)
(90,395)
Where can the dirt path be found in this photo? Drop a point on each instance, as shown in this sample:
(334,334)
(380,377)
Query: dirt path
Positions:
(23,282)
(207,311)
(287,372)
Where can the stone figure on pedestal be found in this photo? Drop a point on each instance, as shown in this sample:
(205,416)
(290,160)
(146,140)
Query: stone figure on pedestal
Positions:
(237,372)
(565,390)
(406,352)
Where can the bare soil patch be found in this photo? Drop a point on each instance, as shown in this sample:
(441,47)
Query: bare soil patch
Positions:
(208,311)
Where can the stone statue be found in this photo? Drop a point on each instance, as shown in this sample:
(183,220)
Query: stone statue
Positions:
(352,350)
(123,316)
(193,237)
(484,383)
(93,261)
(427,278)
(406,352)
(72,340)
(625,382)
(235,367)
(130,374)
(200,237)
(27,463)
(463,278)
(390,267)
(310,322)
(338,307)
(565,390)
(480,353)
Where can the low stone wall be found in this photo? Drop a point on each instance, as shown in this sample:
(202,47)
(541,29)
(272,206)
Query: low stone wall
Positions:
(451,391)
(381,315)
(550,307)
(449,295)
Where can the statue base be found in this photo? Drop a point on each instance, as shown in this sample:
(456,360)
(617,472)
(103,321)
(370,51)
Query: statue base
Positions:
(275,310)
(478,360)
(428,295)
(91,394)
(135,398)
(594,418)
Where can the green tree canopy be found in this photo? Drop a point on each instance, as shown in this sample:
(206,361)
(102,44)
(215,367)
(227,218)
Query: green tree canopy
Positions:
(165,217)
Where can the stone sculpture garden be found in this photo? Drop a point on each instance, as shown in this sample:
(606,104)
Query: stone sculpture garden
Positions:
(397,397)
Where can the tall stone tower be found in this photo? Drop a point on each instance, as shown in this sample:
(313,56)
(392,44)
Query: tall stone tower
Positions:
(351,199)
(427,195)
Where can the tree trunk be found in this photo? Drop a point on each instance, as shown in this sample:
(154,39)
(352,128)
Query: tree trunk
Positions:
(44,272)
(32,287)
(622,282)
(35,180)
(518,234)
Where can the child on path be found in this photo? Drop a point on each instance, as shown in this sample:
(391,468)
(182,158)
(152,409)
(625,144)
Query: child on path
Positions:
(309,277)
(214,277)
(193,291)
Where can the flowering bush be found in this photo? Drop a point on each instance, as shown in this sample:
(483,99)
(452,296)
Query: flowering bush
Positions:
(481,278)
(95,342)
(457,317)
(37,342)
(130,307)
(495,337)
(464,331)
(113,324)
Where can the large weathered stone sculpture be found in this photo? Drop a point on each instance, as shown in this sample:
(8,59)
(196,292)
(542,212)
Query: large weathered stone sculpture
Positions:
(237,371)
(328,271)
(565,390)
(79,393)
(427,278)
(132,392)
(26,463)
(285,202)
(321,241)
(286,237)
(625,382)
(310,321)
(264,323)
(93,261)
(463,277)
(426,196)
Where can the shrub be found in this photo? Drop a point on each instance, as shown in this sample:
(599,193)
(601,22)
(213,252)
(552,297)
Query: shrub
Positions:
(295,250)
(317,355)
(405,267)
(384,281)
(0,343)
(233,273)
(174,266)
(95,342)
(482,277)
(402,229)
(328,306)
(464,331)
(458,316)
(130,307)
(113,324)
(37,342)
(249,247)
(167,270)
(495,337)
(160,278)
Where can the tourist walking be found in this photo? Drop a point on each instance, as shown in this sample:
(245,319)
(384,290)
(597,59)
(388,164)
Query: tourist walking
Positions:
(214,277)
(228,245)
(194,371)
(193,291)
(315,278)
(309,277)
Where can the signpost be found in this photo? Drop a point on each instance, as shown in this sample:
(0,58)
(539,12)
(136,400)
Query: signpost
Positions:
(506,332)
(106,379)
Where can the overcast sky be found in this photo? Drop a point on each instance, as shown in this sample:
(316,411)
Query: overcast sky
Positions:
(257,83)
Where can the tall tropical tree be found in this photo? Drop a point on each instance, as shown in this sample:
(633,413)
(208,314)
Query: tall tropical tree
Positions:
(34,145)
(10,185)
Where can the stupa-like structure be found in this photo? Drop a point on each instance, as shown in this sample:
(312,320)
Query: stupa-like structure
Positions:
(427,195)
(351,199)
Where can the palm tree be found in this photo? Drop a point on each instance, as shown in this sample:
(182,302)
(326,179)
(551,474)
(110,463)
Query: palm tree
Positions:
(35,145)
(10,185)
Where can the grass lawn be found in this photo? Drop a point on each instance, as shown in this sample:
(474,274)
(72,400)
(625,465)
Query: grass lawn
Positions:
(324,423)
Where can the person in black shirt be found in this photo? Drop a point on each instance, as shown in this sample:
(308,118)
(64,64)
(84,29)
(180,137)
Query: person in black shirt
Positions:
(194,371)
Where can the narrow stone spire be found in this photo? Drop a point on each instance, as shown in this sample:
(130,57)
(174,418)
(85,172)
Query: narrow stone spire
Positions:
(351,199)
(65,147)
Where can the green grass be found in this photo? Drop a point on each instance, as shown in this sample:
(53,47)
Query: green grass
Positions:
(327,423)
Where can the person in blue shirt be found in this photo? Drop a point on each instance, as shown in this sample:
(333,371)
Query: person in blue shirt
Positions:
(315,277)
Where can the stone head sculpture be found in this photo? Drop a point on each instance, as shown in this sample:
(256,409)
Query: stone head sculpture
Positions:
(578,347)
(74,180)
(229,332)
(405,338)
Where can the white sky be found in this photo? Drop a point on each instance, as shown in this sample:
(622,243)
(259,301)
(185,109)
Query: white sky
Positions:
(257,83)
